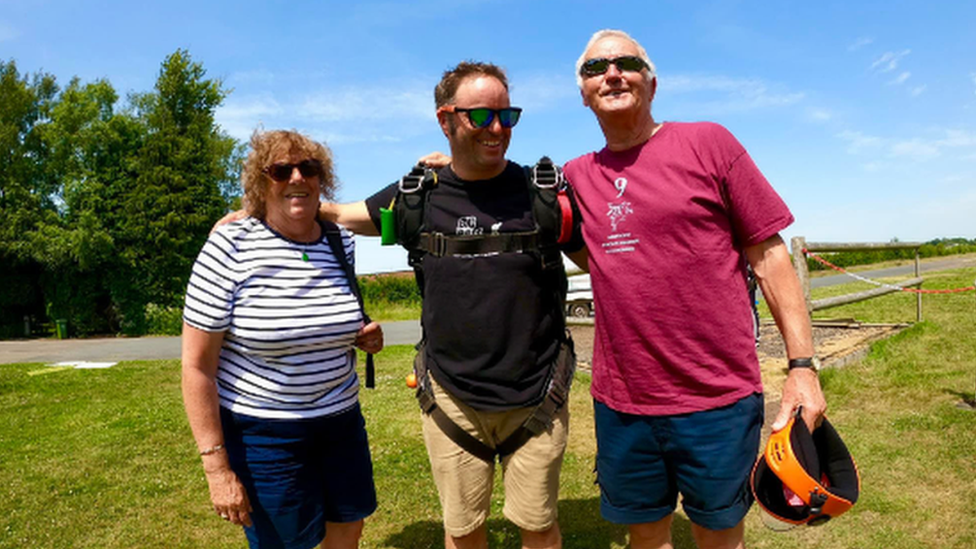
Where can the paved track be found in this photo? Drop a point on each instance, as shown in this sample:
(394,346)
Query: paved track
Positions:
(924,266)
(406,332)
(48,351)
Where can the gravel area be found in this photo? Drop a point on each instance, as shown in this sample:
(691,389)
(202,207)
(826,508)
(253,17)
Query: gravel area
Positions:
(829,341)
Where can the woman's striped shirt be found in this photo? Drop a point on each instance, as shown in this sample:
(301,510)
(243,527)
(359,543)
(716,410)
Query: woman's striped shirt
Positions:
(289,324)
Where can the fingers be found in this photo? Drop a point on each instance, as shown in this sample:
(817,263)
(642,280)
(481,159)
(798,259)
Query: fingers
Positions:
(370,338)
(229,218)
(802,388)
(229,498)
(435,159)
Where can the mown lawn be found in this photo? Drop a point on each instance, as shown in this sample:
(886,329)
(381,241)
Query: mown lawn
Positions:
(104,458)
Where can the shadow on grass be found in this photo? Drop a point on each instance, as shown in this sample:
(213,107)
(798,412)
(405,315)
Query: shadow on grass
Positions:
(967,400)
(580,521)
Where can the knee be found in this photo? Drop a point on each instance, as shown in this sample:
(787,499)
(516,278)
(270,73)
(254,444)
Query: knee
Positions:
(549,538)
(651,534)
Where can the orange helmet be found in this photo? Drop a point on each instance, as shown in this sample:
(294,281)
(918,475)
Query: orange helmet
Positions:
(804,478)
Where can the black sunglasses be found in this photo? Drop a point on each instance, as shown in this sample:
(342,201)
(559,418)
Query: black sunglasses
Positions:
(282,172)
(600,65)
(482,117)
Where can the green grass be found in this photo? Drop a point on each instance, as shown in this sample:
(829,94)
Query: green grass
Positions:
(104,458)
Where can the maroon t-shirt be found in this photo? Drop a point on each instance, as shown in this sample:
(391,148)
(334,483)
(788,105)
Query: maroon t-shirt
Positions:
(665,224)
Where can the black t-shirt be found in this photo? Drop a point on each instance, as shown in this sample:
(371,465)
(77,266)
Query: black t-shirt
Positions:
(493,324)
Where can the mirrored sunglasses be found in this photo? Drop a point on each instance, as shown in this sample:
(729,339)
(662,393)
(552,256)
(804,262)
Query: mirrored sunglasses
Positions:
(482,117)
(282,172)
(600,65)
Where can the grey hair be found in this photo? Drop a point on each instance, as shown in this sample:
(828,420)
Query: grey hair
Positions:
(651,73)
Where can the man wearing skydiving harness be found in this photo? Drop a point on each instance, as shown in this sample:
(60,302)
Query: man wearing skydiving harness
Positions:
(485,236)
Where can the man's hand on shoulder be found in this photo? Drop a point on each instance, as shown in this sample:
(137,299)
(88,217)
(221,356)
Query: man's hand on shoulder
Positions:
(435,160)
(229,218)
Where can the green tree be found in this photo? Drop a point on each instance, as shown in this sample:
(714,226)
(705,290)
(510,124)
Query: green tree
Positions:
(27,190)
(176,195)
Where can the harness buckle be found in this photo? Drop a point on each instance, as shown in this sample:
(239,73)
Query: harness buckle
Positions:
(414,181)
(437,244)
(548,177)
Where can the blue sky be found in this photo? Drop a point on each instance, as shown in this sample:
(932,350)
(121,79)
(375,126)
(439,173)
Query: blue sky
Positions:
(862,114)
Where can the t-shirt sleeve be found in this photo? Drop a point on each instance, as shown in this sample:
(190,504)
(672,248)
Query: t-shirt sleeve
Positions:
(382,199)
(213,282)
(756,210)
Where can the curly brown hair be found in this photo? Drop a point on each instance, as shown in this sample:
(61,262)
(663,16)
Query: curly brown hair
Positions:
(266,146)
(447,88)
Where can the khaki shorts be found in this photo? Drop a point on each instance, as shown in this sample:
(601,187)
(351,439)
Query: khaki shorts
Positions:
(464,482)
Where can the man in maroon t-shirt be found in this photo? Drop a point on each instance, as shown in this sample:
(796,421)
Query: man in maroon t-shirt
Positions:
(672,213)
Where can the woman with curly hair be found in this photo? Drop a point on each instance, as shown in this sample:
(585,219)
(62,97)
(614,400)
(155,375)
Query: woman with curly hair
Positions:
(269,379)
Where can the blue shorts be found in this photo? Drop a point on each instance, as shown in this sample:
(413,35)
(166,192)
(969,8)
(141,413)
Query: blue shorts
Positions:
(643,462)
(300,474)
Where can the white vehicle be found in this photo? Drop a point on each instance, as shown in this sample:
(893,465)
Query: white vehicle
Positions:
(579,297)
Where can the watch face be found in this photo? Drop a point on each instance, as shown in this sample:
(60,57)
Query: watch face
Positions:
(816,364)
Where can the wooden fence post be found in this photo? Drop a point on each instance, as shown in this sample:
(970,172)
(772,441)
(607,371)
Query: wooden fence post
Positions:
(797,244)
(918,295)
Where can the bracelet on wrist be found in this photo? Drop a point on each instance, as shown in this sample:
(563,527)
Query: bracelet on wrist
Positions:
(212,450)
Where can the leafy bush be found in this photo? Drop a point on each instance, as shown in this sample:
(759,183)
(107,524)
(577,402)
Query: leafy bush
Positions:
(397,288)
(164,320)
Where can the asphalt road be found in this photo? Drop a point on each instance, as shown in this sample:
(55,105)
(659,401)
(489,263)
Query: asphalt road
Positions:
(925,266)
(406,332)
(114,349)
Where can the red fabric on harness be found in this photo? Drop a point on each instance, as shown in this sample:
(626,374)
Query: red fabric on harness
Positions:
(565,217)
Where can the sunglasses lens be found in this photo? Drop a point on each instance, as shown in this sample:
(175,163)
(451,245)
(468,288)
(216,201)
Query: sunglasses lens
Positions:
(280,172)
(480,118)
(595,66)
(629,63)
(509,117)
(308,168)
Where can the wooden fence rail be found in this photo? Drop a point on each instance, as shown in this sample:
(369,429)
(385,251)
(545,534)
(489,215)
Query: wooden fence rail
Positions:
(799,244)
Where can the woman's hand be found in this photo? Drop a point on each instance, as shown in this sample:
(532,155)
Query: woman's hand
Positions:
(369,339)
(227,494)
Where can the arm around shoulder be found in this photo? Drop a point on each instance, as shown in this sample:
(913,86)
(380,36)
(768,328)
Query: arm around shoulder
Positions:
(353,216)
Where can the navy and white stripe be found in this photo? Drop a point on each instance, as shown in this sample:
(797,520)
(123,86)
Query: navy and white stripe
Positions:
(290,325)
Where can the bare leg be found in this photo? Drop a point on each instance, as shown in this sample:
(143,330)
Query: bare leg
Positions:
(342,535)
(475,540)
(546,539)
(651,535)
(730,538)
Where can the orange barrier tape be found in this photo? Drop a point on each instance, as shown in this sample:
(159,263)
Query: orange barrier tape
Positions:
(876,283)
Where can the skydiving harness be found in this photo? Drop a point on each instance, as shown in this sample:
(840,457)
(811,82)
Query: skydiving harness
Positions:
(405,222)
(334,237)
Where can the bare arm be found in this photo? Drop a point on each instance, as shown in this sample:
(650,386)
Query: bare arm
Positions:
(780,286)
(353,216)
(201,351)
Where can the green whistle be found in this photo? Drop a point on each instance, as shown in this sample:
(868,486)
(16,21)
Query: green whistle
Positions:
(387,228)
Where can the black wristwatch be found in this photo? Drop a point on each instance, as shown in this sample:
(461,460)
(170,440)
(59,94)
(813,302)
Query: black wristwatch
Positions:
(812,363)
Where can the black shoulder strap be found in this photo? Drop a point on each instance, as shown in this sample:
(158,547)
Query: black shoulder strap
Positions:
(545,180)
(410,215)
(334,237)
